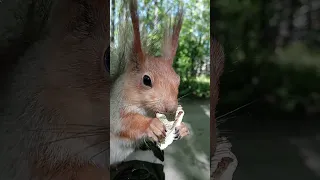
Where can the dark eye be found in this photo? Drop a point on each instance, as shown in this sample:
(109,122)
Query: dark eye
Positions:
(147,81)
(107,59)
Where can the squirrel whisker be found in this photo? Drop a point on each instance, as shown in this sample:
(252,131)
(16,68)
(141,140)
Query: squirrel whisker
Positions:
(99,153)
(85,125)
(92,145)
(221,121)
(56,131)
(236,109)
(179,98)
(70,137)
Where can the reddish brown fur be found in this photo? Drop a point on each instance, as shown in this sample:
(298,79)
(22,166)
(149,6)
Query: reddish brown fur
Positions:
(163,95)
(135,125)
(136,103)
(175,37)
(137,49)
(165,80)
(165,86)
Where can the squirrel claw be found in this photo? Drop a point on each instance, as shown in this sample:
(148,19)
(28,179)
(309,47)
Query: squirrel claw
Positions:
(176,131)
(177,137)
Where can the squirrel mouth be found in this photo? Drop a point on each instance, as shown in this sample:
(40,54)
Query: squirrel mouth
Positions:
(158,111)
(155,112)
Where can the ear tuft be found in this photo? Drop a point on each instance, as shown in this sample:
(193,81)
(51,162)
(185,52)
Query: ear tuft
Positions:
(81,18)
(137,46)
(171,37)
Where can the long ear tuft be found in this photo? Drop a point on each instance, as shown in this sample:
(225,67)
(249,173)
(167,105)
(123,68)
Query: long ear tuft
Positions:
(171,38)
(137,46)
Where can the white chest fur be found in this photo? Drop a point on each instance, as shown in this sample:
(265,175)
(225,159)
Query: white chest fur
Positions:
(120,148)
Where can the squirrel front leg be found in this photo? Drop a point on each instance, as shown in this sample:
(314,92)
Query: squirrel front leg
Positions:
(135,126)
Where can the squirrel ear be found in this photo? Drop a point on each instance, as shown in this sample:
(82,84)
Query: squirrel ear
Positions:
(79,18)
(171,37)
(139,56)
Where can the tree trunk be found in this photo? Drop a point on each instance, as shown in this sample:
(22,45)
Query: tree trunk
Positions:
(283,24)
(113,2)
(156,13)
(309,16)
(264,25)
(294,5)
(246,38)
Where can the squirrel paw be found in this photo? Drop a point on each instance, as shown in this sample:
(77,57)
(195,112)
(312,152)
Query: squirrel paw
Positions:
(157,130)
(181,131)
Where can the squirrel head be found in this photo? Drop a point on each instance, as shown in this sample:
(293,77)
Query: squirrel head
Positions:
(76,80)
(151,82)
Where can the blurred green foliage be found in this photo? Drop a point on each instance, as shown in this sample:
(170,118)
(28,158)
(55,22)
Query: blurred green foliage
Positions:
(272,54)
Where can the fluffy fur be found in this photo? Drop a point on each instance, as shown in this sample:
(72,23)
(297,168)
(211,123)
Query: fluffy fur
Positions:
(133,104)
(216,70)
(56,113)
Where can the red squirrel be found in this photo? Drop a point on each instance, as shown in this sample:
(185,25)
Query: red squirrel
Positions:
(148,85)
(55,121)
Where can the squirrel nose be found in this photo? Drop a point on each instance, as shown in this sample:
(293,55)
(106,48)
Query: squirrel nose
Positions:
(171,106)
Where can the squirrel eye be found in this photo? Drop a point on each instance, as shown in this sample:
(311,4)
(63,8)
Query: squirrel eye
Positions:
(147,81)
(106,59)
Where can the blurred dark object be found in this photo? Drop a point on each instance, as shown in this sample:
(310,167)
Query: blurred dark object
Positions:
(216,70)
(272,52)
(22,23)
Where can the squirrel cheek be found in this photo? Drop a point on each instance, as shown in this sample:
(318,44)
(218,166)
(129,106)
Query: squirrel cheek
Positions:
(153,98)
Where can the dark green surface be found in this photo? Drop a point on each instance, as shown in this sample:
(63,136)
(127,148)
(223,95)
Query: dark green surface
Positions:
(276,149)
(188,159)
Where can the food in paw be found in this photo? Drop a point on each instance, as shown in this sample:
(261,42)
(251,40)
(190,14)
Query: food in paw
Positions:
(170,127)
